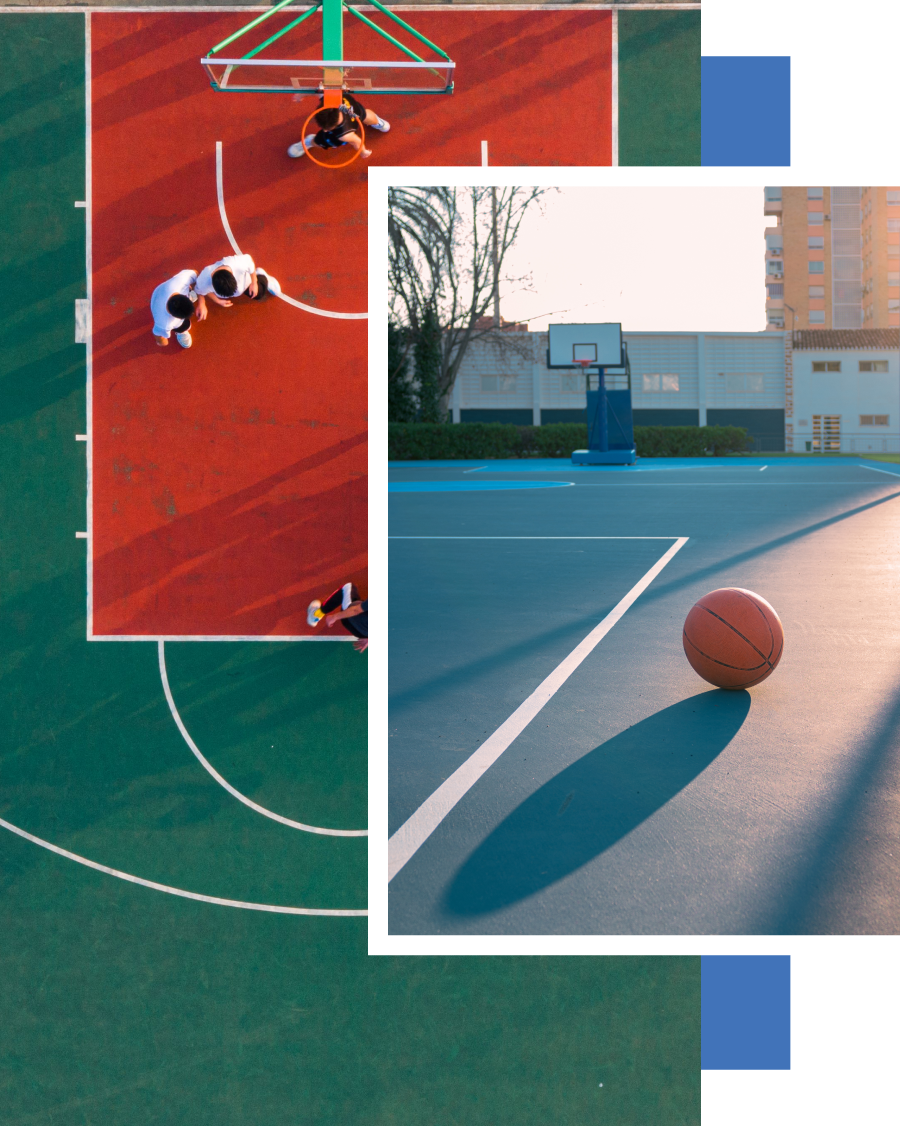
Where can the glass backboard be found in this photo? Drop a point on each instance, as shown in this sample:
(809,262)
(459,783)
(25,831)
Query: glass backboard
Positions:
(313,76)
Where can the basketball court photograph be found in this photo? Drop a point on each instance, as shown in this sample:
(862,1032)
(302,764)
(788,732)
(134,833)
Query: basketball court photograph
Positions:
(643,578)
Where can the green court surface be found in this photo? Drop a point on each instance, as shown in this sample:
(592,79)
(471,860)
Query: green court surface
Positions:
(128,1005)
(659,88)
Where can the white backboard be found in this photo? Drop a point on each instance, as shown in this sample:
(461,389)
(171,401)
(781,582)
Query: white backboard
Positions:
(601,344)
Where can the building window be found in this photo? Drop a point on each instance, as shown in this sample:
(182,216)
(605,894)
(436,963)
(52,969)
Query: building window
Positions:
(656,382)
(775,245)
(873,365)
(773,195)
(816,291)
(825,432)
(893,279)
(775,269)
(825,365)
(816,218)
(572,384)
(776,317)
(894,304)
(775,289)
(894,250)
(498,384)
(894,224)
(874,419)
(816,242)
(816,316)
(816,267)
(816,193)
(738,383)
(894,196)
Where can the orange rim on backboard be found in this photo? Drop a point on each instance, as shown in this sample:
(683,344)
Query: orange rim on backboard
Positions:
(337,163)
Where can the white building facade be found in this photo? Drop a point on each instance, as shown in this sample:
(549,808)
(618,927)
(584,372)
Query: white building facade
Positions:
(764,381)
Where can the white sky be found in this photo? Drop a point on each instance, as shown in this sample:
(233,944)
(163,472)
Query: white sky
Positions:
(666,259)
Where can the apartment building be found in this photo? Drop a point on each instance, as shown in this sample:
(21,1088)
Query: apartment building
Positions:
(809,390)
(832,258)
(881,262)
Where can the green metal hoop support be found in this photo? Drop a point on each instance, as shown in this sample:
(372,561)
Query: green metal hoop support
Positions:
(333,31)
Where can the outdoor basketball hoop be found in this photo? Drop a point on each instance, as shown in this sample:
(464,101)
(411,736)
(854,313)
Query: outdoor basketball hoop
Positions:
(332,163)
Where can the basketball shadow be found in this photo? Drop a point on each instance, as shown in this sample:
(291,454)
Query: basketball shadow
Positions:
(595,802)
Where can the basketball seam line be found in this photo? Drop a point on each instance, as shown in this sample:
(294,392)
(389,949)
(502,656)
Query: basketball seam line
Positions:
(740,634)
(736,668)
(765,618)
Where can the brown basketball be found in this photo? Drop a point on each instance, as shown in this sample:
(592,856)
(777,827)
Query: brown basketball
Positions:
(733,638)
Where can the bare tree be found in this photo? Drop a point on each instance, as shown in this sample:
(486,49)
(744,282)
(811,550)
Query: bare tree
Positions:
(447,248)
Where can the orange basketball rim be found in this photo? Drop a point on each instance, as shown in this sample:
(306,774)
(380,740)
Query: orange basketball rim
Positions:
(332,163)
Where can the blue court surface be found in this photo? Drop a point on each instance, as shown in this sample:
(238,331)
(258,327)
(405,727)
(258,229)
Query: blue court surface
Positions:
(555,764)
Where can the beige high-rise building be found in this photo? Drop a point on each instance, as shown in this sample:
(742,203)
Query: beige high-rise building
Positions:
(832,260)
(881,257)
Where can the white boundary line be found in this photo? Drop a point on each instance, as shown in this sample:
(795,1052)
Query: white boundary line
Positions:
(409,838)
(484,150)
(887,472)
(615,93)
(217,637)
(161,651)
(12,10)
(531,537)
(88,199)
(219,166)
(171,890)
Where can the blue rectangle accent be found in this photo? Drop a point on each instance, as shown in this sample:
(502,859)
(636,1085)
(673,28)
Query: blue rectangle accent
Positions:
(746,110)
(745,1012)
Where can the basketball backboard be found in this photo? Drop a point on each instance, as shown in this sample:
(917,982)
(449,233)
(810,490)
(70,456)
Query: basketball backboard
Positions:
(314,76)
(601,345)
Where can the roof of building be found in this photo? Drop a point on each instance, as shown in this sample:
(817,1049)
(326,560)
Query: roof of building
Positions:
(836,339)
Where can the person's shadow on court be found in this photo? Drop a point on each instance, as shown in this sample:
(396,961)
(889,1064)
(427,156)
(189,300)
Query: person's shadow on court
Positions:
(595,802)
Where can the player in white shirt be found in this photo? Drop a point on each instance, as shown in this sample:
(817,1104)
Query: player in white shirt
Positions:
(172,305)
(232,277)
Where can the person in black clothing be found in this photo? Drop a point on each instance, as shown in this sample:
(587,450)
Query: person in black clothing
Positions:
(343,605)
(337,128)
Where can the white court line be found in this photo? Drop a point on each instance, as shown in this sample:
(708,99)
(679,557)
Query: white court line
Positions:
(716,484)
(531,537)
(79,203)
(80,535)
(763,467)
(165,887)
(157,9)
(161,650)
(88,160)
(485,153)
(219,637)
(615,93)
(887,472)
(219,162)
(409,838)
(79,437)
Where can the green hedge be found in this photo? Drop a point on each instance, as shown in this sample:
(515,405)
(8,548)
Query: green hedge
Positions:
(431,441)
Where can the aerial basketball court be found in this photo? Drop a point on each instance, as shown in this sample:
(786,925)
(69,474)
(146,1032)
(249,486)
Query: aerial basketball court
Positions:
(184,775)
